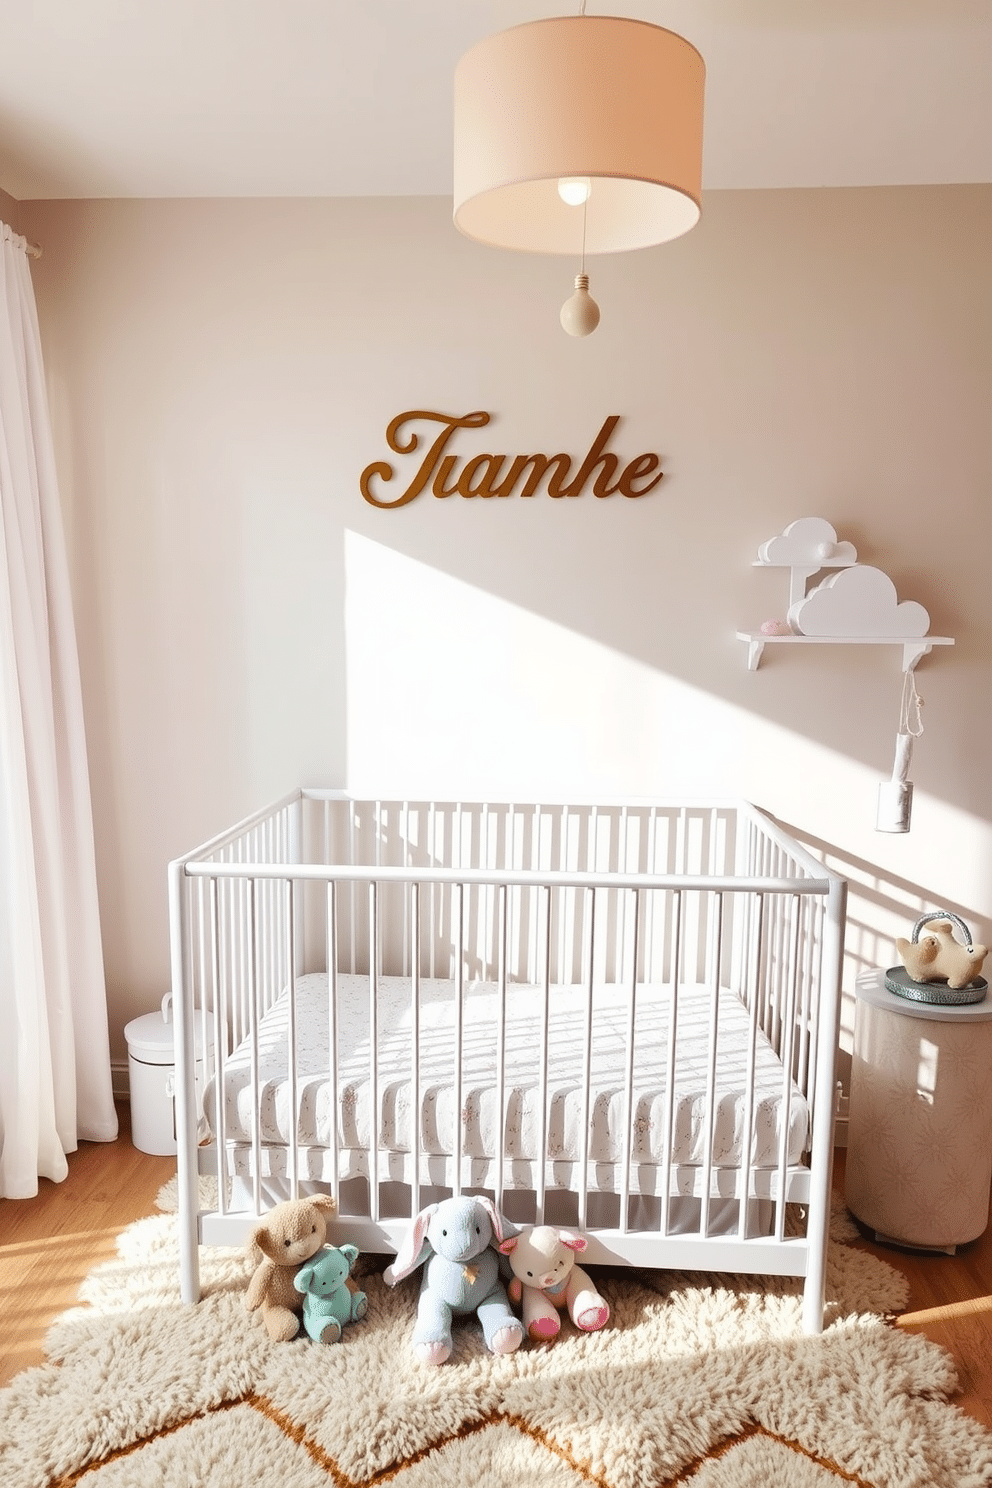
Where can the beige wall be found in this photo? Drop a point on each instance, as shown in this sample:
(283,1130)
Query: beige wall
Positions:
(10,211)
(222,372)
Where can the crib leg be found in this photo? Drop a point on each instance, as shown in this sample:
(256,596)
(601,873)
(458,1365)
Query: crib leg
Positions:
(187,1165)
(188,1180)
(814,1297)
(815,1286)
(817,1238)
(189,1252)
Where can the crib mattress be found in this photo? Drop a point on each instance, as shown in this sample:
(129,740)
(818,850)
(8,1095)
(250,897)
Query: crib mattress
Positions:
(524,1115)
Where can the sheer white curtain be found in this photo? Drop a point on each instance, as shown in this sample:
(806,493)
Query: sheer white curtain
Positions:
(55,1084)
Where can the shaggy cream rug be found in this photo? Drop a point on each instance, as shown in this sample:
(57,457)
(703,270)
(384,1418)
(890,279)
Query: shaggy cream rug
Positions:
(700,1380)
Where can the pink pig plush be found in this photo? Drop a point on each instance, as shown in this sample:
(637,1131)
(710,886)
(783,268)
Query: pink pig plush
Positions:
(546,1279)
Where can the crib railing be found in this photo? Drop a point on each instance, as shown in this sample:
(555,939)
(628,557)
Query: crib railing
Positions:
(619,895)
(329,829)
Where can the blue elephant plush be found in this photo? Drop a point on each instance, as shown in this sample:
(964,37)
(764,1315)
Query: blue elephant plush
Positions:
(328,1303)
(457,1239)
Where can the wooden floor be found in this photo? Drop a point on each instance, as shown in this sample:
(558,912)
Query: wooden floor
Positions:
(49,1243)
(950,1301)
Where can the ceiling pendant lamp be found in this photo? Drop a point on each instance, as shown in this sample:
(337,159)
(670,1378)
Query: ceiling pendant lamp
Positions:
(578,134)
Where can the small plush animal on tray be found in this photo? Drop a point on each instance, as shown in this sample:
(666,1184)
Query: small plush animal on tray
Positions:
(547,1279)
(938,957)
(455,1238)
(289,1235)
(328,1303)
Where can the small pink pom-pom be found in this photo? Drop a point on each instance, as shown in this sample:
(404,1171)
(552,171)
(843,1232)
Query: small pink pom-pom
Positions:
(775,627)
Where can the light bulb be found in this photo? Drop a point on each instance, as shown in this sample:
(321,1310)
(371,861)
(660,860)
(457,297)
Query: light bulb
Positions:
(580,313)
(574,190)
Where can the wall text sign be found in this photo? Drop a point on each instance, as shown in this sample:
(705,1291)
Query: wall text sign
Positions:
(448,474)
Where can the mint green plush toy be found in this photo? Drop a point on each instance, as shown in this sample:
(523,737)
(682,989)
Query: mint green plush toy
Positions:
(328,1303)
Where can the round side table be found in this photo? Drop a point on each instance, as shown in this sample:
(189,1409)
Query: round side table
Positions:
(919,1154)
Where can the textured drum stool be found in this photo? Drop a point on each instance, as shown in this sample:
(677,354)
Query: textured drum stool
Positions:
(919,1156)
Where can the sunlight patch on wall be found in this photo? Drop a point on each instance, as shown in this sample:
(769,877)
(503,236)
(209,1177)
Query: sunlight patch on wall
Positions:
(454,692)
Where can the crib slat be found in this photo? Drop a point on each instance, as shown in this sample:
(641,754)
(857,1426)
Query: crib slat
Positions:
(589,971)
(415,1045)
(819,973)
(501,1121)
(252,983)
(755,913)
(629,1107)
(456,1115)
(374,1051)
(542,1137)
(215,1067)
(791,986)
(333,950)
(353,856)
(804,1014)
(669,1115)
(294,1120)
(563,968)
(715,929)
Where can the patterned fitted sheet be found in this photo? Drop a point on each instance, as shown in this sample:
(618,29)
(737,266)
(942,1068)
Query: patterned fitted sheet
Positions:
(522,1092)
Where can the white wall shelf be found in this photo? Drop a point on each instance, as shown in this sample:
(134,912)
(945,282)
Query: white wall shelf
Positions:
(913,647)
(856,605)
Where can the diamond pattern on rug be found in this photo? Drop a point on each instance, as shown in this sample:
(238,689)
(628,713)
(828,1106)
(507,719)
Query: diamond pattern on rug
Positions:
(236,1446)
(762,1460)
(696,1379)
(498,1454)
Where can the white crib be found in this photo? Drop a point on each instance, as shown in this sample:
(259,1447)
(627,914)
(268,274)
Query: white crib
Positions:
(619,1016)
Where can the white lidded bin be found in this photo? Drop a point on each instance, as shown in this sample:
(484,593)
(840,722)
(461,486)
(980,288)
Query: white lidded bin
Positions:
(151,1066)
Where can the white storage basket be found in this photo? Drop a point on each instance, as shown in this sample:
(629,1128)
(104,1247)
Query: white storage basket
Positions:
(151,1067)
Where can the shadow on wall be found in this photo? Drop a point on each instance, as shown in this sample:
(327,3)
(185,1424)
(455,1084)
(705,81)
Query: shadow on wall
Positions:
(880,907)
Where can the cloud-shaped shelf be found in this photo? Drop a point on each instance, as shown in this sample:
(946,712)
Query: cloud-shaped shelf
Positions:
(859,601)
(809,543)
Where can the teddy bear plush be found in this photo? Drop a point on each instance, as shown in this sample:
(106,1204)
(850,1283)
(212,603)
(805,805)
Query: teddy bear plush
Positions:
(328,1302)
(938,957)
(546,1279)
(457,1240)
(290,1234)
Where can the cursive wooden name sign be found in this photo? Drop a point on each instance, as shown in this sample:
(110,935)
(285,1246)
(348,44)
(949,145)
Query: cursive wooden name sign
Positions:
(503,475)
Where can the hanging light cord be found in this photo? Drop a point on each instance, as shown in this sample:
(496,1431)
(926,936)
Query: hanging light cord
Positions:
(585,204)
